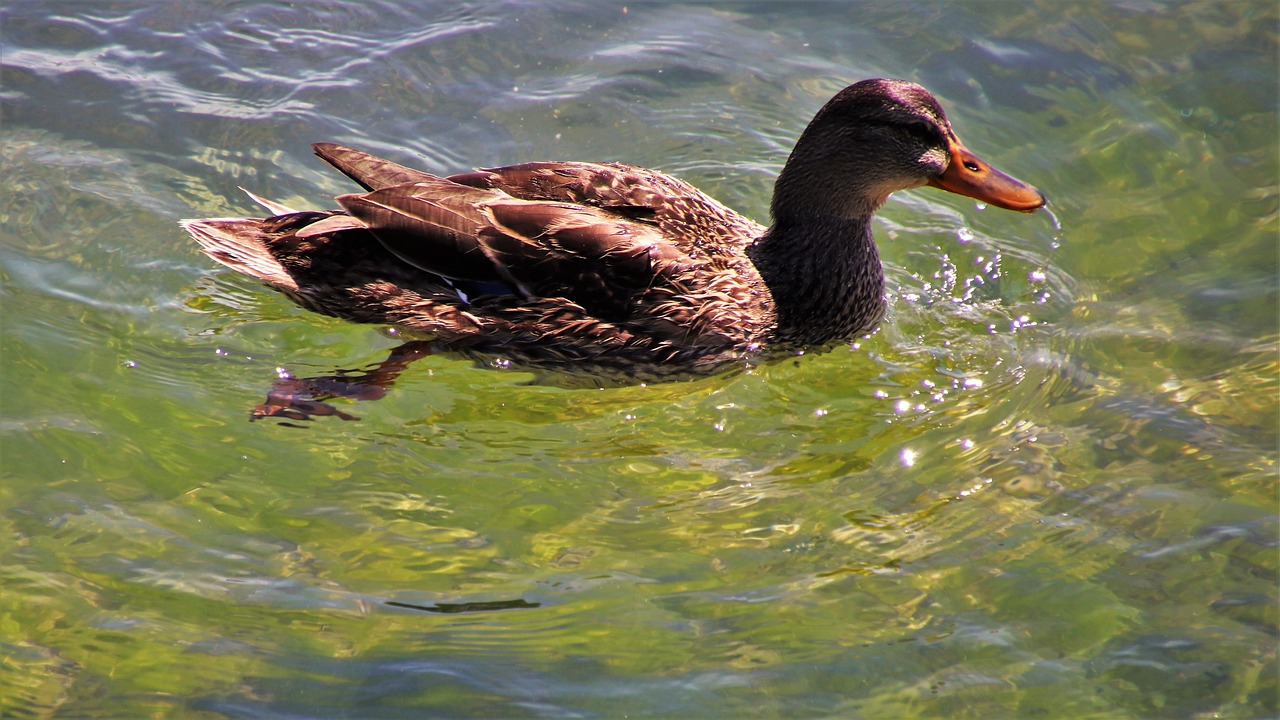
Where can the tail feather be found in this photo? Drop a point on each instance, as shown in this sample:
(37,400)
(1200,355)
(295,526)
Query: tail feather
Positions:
(275,207)
(241,245)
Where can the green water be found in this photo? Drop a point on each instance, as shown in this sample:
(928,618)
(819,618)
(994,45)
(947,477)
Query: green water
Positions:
(1045,488)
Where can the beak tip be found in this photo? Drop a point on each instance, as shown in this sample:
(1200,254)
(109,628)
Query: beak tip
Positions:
(1040,202)
(1025,198)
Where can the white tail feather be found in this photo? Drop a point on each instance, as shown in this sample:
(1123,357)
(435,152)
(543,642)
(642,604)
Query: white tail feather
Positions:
(275,207)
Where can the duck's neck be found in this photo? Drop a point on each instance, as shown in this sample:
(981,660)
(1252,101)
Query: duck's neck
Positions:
(825,276)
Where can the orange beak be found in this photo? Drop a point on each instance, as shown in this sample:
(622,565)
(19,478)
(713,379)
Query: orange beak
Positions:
(968,175)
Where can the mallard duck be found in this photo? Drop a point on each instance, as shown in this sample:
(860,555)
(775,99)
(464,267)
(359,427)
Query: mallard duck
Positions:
(615,267)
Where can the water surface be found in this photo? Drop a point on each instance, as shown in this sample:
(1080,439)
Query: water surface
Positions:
(1046,487)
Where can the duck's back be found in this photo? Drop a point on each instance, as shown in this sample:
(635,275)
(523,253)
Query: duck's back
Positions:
(606,263)
(683,214)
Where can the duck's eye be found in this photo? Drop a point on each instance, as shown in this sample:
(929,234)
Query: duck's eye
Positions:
(924,132)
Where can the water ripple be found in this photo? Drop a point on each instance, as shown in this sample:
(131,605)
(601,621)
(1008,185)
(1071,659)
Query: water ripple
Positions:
(1046,485)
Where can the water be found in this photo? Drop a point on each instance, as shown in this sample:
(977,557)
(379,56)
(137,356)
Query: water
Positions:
(1046,487)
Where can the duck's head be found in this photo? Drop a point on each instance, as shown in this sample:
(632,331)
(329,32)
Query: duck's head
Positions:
(879,136)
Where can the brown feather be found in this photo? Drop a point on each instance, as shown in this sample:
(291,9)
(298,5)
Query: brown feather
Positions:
(370,171)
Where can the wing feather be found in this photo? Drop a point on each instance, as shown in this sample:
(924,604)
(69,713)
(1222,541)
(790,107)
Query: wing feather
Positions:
(370,171)
(687,217)
(599,235)
(432,225)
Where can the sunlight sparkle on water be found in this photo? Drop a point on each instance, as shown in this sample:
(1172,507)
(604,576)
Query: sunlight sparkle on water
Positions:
(1020,322)
(970,491)
(908,457)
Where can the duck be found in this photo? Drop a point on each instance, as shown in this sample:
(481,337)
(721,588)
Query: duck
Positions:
(611,267)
